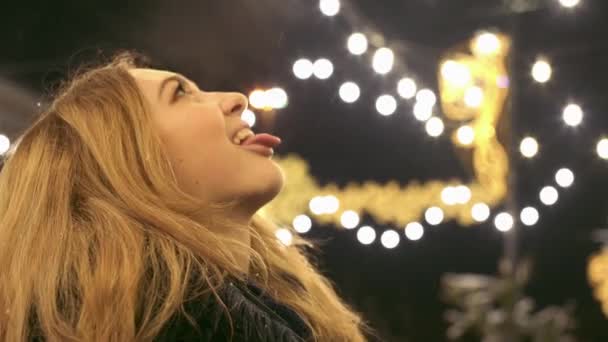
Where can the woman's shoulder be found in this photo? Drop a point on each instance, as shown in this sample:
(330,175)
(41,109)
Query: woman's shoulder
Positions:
(255,317)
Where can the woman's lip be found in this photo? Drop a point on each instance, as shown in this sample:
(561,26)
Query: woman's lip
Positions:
(259,149)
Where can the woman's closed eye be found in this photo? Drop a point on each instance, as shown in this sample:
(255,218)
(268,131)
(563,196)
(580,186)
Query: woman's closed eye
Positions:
(180,90)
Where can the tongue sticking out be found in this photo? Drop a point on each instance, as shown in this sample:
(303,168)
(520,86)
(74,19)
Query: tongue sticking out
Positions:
(265,139)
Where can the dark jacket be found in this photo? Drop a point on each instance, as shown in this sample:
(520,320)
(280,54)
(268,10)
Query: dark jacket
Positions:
(255,317)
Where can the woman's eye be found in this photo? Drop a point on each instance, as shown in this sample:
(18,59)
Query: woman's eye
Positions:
(180,90)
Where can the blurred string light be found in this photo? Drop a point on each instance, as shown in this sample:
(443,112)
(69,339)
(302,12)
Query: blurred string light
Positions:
(449,196)
(572,115)
(5,144)
(472,96)
(528,147)
(422,112)
(284,236)
(503,222)
(357,43)
(303,68)
(257,98)
(434,127)
(322,68)
(602,148)
(463,194)
(274,98)
(349,219)
(456,73)
(529,216)
(480,212)
(564,177)
(329,7)
(406,87)
(541,71)
(302,224)
(486,44)
(366,235)
(324,205)
(465,135)
(414,231)
(383,60)
(386,105)
(426,97)
(249,117)
(452,195)
(433,216)
(349,92)
(548,195)
(569,3)
(389,239)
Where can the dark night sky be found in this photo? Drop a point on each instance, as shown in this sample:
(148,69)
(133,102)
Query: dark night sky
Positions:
(236,45)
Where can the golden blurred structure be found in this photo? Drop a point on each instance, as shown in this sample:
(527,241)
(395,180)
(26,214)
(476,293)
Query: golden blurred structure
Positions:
(597,272)
(473,84)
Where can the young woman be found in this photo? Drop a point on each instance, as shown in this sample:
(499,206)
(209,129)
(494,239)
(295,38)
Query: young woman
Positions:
(128,212)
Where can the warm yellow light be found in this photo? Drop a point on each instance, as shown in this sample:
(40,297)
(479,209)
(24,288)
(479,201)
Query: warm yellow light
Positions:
(486,44)
(357,43)
(422,112)
(503,222)
(303,68)
(257,99)
(528,147)
(406,88)
(366,235)
(323,68)
(473,97)
(276,98)
(349,92)
(386,105)
(433,216)
(284,236)
(249,117)
(383,60)
(573,115)
(349,219)
(480,212)
(329,7)
(427,97)
(602,148)
(434,127)
(465,135)
(456,73)
(564,177)
(389,239)
(569,3)
(529,216)
(414,231)
(549,195)
(5,144)
(302,224)
(541,71)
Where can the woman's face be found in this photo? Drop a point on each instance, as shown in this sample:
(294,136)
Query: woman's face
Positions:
(197,128)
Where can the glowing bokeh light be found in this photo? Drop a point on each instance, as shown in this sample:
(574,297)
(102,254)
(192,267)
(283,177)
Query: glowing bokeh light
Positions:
(414,231)
(434,127)
(357,43)
(349,92)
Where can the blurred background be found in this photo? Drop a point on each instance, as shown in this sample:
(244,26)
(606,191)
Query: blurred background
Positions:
(451,157)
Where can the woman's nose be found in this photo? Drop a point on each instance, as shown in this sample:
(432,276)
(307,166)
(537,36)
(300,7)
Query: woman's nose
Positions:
(234,103)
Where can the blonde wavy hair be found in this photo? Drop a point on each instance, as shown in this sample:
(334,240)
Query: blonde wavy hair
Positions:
(98,242)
